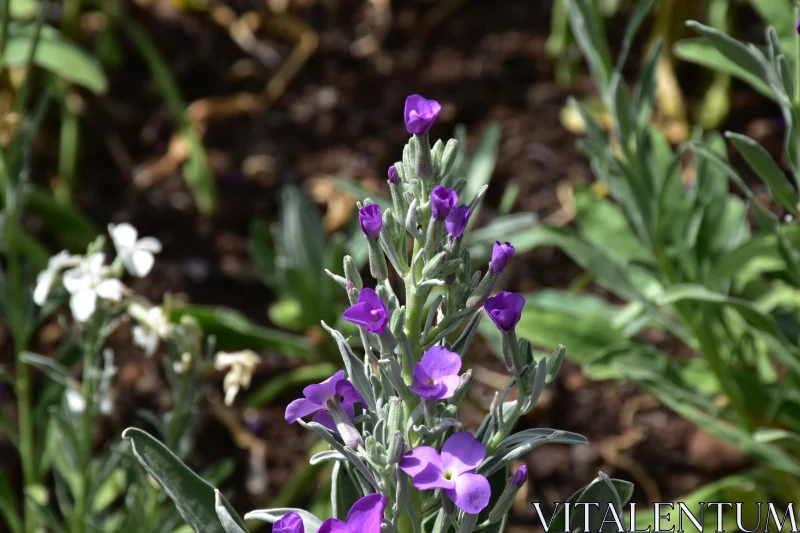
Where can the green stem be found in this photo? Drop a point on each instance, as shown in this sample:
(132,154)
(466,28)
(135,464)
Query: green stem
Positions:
(19,331)
(87,390)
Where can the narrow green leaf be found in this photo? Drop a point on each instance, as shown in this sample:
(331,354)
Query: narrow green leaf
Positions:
(234,331)
(482,162)
(194,498)
(288,381)
(72,228)
(702,52)
(767,169)
(8,505)
(55,54)
(228,522)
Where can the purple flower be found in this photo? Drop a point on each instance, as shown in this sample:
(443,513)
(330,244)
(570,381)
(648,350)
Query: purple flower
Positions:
(370,312)
(505,310)
(336,389)
(371,222)
(520,477)
(451,471)
(365,516)
(442,201)
(289,523)
(436,375)
(501,255)
(420,114)
(394,177)
(457,220)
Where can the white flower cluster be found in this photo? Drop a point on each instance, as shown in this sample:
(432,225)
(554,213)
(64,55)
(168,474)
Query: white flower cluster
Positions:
(87,279)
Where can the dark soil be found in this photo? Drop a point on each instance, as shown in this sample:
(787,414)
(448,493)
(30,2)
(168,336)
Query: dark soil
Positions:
(342,116)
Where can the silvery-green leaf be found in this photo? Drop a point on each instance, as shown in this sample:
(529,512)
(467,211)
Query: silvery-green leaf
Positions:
(328,455)
(356,370)
(194,498)
(310,522)
(225,518)
(502,459)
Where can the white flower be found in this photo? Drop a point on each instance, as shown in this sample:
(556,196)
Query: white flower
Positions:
(136,255)
(242,365)
(45,279)
(153,326)
(88,281)
(75,402)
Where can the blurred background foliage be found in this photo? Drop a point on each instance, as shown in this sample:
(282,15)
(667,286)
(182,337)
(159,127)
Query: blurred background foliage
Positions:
(683,265)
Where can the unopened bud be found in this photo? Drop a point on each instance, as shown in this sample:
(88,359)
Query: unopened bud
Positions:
(351,272)
(508,496)
(554,364)
(449,156)
(463,387)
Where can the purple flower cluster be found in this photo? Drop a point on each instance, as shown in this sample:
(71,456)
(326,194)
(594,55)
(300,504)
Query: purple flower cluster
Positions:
(435,377)
(452,471)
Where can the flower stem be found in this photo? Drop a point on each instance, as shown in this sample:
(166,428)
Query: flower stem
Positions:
(85,453)
(19,332)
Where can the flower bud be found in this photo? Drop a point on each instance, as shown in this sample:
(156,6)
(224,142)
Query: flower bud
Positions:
(508,496)
(394,177)
(433,267)
(371,221)
(520,477)
(351,272)
(377,261)
(449,157)
(511,353)
(345,426)
(501,255)
(464,383)
(396,448)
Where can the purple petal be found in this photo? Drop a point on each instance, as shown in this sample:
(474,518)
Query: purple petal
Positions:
(520,477)
(505,309)
(414,461)
(366,515)
(324,418)
(370,219)
(462,452)
(289,523)
(501,255)
(420,375)
(431,477)
(319,393)
(348,392)
(447,386)
(442,201)
(457,220)
(359,314)
(434,391)
(370,297)
(299,409)
(420,114)
(471,493)
(439,362)
(332,525)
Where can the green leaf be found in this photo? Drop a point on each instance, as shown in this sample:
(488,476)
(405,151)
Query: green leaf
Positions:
(767,169)
(639,14)
(344,491)
(779,15)
(234,331)
(482,163)
(71,227)
(52,368)
(619,490)
(261,249)
(228,522)
(747,57)
(8,505)
(601,491)
(588,29)
(194,498)
(288,381)
(702,52)
(55,54)
(310,522)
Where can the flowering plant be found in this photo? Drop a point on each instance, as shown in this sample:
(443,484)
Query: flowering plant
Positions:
(402,460)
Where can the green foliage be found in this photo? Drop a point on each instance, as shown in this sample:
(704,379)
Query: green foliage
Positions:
(195,499)
(680,250)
